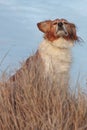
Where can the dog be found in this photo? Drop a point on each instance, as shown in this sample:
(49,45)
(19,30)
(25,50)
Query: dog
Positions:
(54,53)
(55,50)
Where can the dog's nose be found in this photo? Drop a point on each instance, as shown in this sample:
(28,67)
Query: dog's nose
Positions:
(60,24)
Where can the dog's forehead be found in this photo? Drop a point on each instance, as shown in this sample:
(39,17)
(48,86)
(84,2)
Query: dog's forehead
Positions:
(59,20)
(64,20)
(56,20)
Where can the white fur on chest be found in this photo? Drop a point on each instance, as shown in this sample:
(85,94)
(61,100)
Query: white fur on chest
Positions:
(56,55)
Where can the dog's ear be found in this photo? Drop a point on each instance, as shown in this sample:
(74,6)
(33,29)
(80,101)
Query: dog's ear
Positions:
(75,37)
(44,26)
(72,32)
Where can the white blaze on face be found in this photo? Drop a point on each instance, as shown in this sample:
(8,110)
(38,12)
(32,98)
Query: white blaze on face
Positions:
(61,31)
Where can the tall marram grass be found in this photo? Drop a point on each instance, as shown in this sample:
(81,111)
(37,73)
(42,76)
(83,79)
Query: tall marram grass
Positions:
(34,103)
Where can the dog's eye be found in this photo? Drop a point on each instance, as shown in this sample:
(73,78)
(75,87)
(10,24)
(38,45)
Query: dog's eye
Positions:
(65,22)
(54,23)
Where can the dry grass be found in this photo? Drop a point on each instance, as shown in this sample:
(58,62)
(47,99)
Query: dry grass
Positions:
(34,103)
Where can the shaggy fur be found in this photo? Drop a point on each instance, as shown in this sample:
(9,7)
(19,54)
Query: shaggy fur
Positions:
(55,50)
(53,54)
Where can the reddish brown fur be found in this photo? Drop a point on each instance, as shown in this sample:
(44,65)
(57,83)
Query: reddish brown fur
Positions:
(49,29)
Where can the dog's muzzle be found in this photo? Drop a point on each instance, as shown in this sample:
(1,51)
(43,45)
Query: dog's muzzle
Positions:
(61,29)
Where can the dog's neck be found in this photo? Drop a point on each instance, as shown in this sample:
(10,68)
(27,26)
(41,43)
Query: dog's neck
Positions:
(62,43)
(55,47)
(56,55)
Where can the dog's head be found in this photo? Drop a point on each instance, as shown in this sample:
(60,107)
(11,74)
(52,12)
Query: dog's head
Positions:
(54,29)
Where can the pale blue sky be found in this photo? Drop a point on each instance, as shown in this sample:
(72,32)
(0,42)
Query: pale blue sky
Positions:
(20,35)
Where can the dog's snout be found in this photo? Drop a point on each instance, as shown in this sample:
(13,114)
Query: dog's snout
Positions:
(60,24)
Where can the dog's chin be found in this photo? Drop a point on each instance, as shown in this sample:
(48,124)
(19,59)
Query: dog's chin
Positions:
(61,33)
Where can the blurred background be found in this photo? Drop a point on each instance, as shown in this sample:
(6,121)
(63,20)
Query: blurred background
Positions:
(20,37)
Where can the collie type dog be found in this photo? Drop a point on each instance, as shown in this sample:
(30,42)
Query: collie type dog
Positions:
(54,53)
